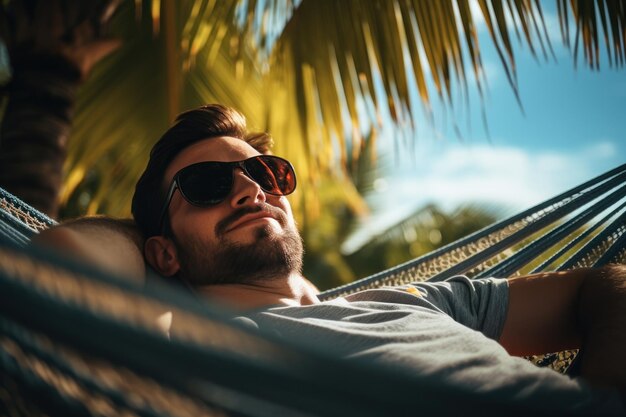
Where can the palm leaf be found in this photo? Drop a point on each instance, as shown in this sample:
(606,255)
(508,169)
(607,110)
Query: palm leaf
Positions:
(318,74)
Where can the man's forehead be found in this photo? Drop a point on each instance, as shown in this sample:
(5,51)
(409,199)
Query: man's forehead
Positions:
(220,148)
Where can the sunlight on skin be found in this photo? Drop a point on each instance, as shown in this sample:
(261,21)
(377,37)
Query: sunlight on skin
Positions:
(199,224)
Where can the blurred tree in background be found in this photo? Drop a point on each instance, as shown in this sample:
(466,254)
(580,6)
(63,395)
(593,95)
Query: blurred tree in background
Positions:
(314,73)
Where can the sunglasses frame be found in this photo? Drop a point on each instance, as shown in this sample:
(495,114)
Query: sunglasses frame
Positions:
(233,165)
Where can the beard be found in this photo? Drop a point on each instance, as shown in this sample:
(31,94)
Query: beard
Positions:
(270,255)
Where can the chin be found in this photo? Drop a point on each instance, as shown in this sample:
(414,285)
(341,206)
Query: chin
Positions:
(265,232)
(254,235)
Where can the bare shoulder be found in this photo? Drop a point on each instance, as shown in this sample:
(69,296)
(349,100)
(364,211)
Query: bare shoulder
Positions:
(115,245)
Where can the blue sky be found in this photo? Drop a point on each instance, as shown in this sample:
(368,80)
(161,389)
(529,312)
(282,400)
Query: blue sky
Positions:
(570,130)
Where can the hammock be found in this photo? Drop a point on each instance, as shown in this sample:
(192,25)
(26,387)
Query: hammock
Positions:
(77,341)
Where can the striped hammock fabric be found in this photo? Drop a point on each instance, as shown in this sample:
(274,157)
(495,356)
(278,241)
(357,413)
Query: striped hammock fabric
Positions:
(77,341)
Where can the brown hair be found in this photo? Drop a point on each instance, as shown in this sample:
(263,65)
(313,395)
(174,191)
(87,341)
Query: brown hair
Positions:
(189,127)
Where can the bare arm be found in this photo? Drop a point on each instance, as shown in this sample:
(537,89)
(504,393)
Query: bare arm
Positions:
(582,308)
(109,244)
(602,313)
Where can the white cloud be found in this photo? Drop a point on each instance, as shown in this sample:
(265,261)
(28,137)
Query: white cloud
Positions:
(601,150)
(507,177)
(504,176)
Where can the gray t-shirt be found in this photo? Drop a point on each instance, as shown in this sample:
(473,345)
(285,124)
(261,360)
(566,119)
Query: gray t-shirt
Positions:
(446,332)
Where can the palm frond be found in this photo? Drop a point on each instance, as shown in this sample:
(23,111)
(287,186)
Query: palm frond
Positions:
(343,53)
(595,19)
(318,74)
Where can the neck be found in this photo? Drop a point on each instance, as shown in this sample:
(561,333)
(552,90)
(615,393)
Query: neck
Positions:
(293,290)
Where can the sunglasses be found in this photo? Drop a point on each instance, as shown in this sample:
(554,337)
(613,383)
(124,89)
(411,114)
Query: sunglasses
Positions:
(206,184)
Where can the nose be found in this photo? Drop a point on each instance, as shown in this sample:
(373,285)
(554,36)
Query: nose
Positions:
(245,190)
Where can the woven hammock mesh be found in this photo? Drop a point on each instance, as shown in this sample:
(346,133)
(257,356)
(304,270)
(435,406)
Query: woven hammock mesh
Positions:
(28,217)
(138,391)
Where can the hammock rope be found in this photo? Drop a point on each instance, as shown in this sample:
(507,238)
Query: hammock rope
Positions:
(578,240)
(538,247)
(211,365)
(471,255)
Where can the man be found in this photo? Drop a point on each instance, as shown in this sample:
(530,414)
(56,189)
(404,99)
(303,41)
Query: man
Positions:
(212,206)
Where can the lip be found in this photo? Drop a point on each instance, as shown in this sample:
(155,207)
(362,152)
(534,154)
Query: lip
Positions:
(249,218)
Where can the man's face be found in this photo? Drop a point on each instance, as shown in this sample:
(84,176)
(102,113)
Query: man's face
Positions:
(250,236)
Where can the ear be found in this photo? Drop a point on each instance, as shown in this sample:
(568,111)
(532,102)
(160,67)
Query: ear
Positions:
(161,255)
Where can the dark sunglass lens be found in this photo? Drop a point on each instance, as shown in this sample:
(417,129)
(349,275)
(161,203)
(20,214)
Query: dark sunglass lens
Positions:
(206,183)
(273,174)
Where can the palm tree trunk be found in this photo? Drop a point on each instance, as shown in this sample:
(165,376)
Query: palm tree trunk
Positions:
(36,127)
(52,46)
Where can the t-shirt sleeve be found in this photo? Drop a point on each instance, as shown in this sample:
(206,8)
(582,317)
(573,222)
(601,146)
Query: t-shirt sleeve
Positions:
(479,304)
